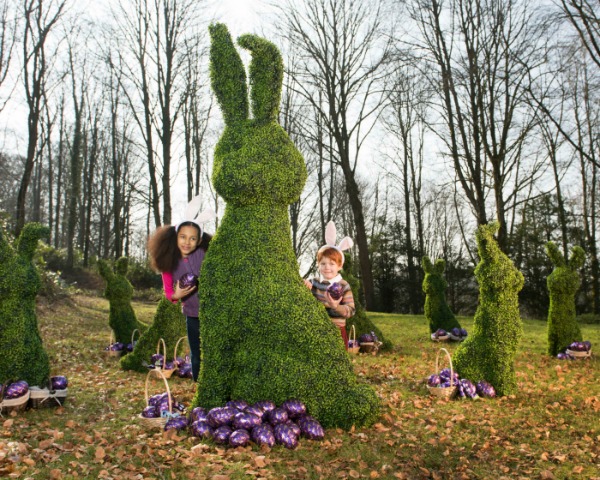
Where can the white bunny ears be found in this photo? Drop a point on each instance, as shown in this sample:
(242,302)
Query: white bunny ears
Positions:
(194,215)
(330,237)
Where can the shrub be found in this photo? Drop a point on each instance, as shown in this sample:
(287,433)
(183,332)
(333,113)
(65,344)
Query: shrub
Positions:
(563,284)
(489,351)
(22,354)
(263,335)
(142,276)
(437,311)
(589,318)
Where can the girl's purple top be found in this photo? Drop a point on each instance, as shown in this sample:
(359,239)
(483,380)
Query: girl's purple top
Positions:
(190,264)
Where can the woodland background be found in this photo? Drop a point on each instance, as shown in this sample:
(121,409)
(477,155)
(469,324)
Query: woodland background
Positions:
(418,120)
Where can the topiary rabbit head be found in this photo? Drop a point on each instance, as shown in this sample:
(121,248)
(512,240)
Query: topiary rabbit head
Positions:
(565,276)
(434,282)
(29,237)
(255,160)
(121,266)
(105,269)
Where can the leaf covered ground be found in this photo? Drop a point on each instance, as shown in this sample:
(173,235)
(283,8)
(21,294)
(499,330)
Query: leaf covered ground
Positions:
(549,430)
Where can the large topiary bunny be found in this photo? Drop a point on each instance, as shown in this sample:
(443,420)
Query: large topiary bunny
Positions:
(119,291)
(264,337)
(563,284)
(489,352)
(437,311)
(22,354)
(168,324)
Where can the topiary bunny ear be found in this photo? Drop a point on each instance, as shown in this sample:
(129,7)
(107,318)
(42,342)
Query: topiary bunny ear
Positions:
(577,258)
(228,76)
(440,265)
(555,255)
(29,237)
(266,77)
(426,264)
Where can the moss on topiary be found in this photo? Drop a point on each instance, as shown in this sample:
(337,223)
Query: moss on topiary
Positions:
(263,335)
(22,356)
(168,324)
(437,311)
(361,322)
(119,291)
(489,351)
(563,284)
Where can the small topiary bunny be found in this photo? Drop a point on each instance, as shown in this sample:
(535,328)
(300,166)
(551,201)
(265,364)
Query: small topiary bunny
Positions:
(263,335)
(489,351)
(22,354)
(437,310)
(563,284)
(119,291)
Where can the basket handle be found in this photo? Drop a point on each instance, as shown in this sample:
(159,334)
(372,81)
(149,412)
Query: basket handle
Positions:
(352,334)
(437,368)
(176,347)
(160,374)
(133,335)
(164,348)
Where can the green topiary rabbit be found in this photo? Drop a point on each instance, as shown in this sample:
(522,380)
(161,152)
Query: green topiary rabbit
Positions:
(489,351)
(263,335)
(563,284)
(168,324)
(119,291)
(22,354)
(437,310)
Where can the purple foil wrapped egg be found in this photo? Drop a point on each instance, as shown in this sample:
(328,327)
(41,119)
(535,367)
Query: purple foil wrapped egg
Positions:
(220,416)
(221,434)
(117,347)
(294,407)
(154,400)
(587,345)
(468,388)
(246,421)
(59,382)
(440,332)
(16,390)
(239,438)
(485,389)
(163,406)
(265,405)
(188,280)
(263,435)
(177,423)
(577,347)
(198,413)
(295,428)
(285,436)
(463,332)
(445,375)
(157,359)
(366,338)
(255,411)
(336,290)
(277,416)
(434,380)
(184,370)
(201,429)
(240,405)
(564,356)
(150,412)
(312,429)
(169,366)
(455,331)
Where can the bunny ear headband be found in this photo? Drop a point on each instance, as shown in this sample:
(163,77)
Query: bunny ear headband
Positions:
(330,236)
(194,215)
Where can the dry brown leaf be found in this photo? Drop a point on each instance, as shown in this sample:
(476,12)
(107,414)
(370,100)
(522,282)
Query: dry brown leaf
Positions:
(354,474)
(8,423)
(259,461)
(55,473)
(100,453)
(220,477)
(547,475)
(578,469)
(45,444)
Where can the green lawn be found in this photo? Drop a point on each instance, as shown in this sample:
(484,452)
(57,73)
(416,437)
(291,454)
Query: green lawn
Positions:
(550,429)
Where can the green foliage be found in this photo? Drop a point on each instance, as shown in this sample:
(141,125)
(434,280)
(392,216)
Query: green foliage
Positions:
(437,311)
(142,276)
(489,351)
(361,322)
(563,284)
(119,291)
(56,258)
(22,354)
(263,335)
(589,318)
(168,324)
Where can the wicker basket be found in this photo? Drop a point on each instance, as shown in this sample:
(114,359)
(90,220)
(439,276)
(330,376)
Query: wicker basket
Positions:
(158,422)
(44,397)
(454,338)
(355,348)
(444,338)
(444,392)
(368,347)
(133,340)
(577,354)
(164,371)
(8,405)
(177,348)
(112,353)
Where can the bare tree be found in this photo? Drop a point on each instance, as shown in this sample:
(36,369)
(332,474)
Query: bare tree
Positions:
(40,18)
(584,16)
(8,27)
(342,53)
(483,52)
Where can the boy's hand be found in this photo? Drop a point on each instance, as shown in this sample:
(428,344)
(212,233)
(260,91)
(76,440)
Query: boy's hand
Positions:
(332,303)
(308,284)
(180,293)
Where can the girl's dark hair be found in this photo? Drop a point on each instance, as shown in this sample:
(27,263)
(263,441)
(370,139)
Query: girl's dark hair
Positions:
(162,246)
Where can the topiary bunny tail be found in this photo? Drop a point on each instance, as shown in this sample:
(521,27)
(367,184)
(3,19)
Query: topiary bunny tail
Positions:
(266,77)
(228,76)
(28,240)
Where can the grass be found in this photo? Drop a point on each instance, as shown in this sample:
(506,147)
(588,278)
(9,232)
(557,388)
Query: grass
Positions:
(550,429)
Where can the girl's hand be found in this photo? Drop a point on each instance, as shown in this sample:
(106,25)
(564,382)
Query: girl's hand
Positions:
(332,303)
(180,293)
(308,284)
